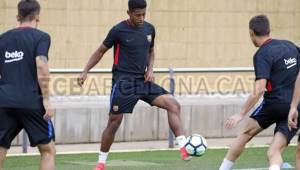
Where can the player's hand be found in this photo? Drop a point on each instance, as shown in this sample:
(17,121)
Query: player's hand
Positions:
(49,110)
(232,121)
(293,118)
(81,79)
(149,76)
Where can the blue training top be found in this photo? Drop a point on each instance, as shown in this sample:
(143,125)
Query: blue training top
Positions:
(277,61)
(19,87)
(131,49)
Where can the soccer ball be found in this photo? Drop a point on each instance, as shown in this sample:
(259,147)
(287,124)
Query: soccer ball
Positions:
(196,145)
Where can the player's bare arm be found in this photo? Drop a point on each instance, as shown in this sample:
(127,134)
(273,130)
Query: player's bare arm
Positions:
(293,114)
(43,75)
(94,59)
(253,98)
(149,76)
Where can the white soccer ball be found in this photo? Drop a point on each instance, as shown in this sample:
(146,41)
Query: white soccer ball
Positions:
(196,145)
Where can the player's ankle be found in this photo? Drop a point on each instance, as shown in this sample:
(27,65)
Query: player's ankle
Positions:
(102,157)
(181,140)
(226,164)
(274,167)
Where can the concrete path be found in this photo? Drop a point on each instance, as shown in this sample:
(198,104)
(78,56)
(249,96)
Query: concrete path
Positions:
(136,146)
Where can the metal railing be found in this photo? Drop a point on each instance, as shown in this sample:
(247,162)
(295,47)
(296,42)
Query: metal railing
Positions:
(170,71)
(165,70)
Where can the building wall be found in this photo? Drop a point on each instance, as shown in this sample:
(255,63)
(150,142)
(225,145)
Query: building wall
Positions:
(82,120)
(190,33)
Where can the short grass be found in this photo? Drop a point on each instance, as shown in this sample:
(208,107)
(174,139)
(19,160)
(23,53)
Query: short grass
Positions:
(151,160)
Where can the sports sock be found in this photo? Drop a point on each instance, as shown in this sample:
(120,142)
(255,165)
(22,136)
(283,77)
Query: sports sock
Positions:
(102,157)
(226,164)
(274,167)
(181,140)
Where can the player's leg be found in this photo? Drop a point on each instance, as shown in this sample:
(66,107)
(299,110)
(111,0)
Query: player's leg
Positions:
(281,138)
(259,120)
(278,144)
(47,152)
(157,96)
(3,152)
(9,129)
(41,134)
(108,137)
(109,132)
(237,146)
(123,100)
(297,157)
(169,103)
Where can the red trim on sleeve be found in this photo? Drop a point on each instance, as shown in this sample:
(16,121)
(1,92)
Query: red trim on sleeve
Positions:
(117,54)
(269,86)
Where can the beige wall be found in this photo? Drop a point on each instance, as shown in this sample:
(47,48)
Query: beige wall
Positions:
(204,115)
(186,83)
(190,33)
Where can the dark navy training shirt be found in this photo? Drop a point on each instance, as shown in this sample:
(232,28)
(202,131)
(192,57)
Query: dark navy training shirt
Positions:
(19,86)
(277,61)
(131,48)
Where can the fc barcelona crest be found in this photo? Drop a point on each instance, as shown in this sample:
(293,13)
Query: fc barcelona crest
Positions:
(115,108)
(149,38)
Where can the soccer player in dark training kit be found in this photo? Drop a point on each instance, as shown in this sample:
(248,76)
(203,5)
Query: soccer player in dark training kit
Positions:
(276,65)
(133,42)
(294,115)
(24,85)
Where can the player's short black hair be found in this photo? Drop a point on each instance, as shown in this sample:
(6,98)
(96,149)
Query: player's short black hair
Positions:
(260,25)
(136,4)
(27,9)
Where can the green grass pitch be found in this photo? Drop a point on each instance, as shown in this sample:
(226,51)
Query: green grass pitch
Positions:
(252,158)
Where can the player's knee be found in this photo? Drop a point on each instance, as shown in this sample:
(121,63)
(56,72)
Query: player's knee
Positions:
(3,152)
(115,123)
(2,158)
(115,126)
(248,135)
(175,108)
(298,154)
(47,150)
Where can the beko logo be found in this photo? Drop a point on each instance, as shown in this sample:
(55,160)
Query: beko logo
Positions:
(13,56)
(291,62)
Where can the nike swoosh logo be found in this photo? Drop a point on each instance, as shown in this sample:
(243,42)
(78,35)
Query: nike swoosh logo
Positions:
(129,40)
